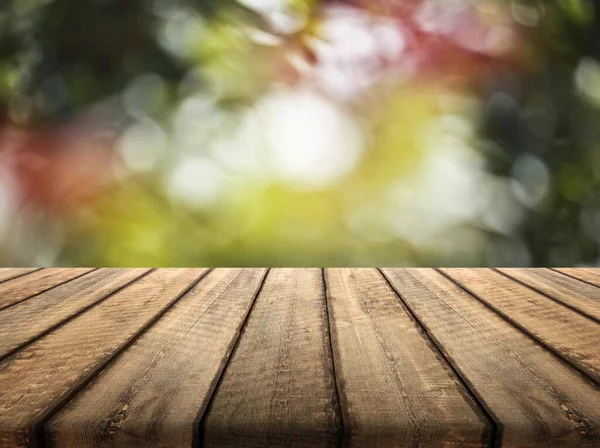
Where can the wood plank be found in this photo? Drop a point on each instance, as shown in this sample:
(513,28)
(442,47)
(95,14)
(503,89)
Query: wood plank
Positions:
(153,393)
(9,273)
(570,335)
(589,275)
(25,321)
(278,388)
(21,288)
(538,400)
(578,295)
(396,390)
(38,379)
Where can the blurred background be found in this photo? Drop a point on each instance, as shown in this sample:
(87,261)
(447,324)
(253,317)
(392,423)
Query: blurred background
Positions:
(299,132)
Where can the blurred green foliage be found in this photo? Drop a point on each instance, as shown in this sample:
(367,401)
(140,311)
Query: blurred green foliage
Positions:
(222,122)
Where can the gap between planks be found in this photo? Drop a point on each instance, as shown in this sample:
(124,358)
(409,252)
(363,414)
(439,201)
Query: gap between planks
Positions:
(579,302)
(493,420)
(338,409)
(200,421)
(582,363)
(38,427)
(7,274)
(35,290)
(61,321)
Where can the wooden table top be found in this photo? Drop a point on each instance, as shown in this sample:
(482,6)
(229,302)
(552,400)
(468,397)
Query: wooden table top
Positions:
(299,357)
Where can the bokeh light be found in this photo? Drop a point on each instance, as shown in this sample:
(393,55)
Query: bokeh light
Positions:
(300,132)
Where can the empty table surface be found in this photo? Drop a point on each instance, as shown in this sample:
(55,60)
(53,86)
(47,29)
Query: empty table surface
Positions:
(309,357)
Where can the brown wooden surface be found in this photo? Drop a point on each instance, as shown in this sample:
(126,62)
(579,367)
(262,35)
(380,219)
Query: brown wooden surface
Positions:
(299,358)
(395,390)
(183,355)
(588,275)
(18,289)
(28,319)
(8,273)
(527,390)
(278,388)
(569,334)
(577,295)
(42,375)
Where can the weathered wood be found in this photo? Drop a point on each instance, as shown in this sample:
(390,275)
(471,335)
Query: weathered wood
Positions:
(170,358)
(26,320)
(570,335)
(38,379)
(21,288)
(396,390)
(278,388)
(537,400)
(152,395)
(9,273)
(580,296)
(589,275)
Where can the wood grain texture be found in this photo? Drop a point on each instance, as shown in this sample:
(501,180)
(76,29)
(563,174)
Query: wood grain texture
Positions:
(278,388)
(570,335)
(8,273)
(396,390)
(40,377)
(28,319)
(578,295)
(21,288)
(589,275)
(152,395)
(173,358)
(537,400)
